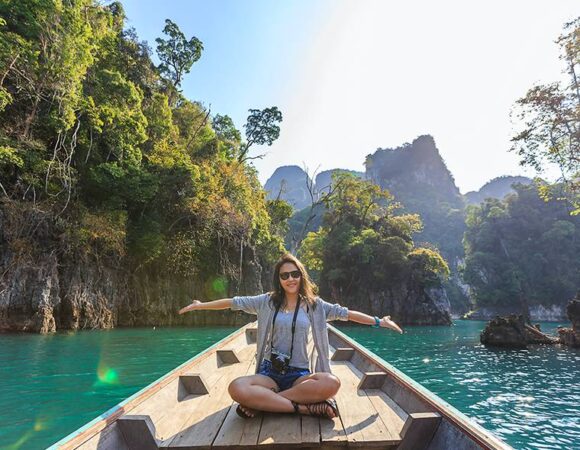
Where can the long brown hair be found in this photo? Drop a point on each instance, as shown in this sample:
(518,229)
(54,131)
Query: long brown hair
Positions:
(307,291)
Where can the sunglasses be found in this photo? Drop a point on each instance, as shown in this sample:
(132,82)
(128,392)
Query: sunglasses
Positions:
(294,274)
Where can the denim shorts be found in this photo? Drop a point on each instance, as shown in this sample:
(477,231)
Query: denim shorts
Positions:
(283,381)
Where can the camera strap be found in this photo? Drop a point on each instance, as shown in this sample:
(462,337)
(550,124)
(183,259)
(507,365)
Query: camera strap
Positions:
(293,326)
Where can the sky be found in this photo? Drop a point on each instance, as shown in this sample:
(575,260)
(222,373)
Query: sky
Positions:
(351,76)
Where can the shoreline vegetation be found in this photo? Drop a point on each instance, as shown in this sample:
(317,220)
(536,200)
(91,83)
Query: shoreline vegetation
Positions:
(121,199)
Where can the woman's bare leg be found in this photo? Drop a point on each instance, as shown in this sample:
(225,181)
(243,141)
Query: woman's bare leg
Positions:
(255,392)
(312,388)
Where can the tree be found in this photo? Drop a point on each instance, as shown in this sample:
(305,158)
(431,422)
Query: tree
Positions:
(304,219)
(91,136)
(228,134)
(46,48)
(364,247)
(551,121)
(177,54)
(261,128)
(521,251)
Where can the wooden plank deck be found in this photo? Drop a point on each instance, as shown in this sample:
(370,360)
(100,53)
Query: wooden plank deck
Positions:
(368,418)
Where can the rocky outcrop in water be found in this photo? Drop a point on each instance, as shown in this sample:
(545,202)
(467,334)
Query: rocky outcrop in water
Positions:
(513,331)
(571,336)
(505,332)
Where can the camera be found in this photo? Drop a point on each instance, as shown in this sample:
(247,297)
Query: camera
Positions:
(280,361)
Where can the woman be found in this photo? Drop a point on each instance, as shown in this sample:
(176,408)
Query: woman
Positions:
(283,381)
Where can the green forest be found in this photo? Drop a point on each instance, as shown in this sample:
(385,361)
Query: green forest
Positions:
(99,142)
(523,248)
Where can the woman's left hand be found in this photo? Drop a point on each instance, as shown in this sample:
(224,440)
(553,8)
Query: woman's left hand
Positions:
(386,322)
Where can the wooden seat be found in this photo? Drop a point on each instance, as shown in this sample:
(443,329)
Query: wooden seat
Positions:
(342,354)
(138,432)
(227,356)
(193,383)
(251,335)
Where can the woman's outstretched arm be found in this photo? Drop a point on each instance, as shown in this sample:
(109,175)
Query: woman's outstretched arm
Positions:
(224,303)
(385,322)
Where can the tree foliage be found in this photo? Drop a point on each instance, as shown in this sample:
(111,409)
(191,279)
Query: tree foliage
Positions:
(364,246)
(97,137)
(522,249)
(177,54)
(262,128)
(549,116)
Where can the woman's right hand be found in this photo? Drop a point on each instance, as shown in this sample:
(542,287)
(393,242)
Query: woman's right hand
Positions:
(386,322)
(190,307)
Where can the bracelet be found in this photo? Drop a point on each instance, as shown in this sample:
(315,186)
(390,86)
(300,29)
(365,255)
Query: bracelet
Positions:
(377,323)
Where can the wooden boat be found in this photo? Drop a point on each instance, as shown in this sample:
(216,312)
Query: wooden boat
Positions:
(190,408)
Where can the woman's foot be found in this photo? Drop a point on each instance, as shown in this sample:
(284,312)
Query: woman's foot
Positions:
(328,409)
(245,412)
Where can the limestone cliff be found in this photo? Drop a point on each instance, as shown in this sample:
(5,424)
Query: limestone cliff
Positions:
(45,289)
(418,177)
(407,304)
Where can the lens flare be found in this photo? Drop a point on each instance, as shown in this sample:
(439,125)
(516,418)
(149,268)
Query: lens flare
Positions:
(39,425)
(219,285)
(20,442)
(107,375)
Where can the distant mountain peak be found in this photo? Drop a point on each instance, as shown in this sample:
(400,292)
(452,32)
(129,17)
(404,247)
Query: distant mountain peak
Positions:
(290,184)
(498,188)
(418,163)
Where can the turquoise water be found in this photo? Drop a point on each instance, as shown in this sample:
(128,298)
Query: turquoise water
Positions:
(530,398)
(51,385)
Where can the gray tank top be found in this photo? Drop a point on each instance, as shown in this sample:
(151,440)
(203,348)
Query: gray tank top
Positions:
(283,337)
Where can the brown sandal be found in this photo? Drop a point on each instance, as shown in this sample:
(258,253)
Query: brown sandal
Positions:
(320,409)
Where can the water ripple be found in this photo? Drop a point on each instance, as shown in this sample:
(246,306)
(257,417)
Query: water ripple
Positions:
(529,397)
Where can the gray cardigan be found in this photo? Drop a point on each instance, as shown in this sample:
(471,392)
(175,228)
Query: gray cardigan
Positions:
(322,313)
